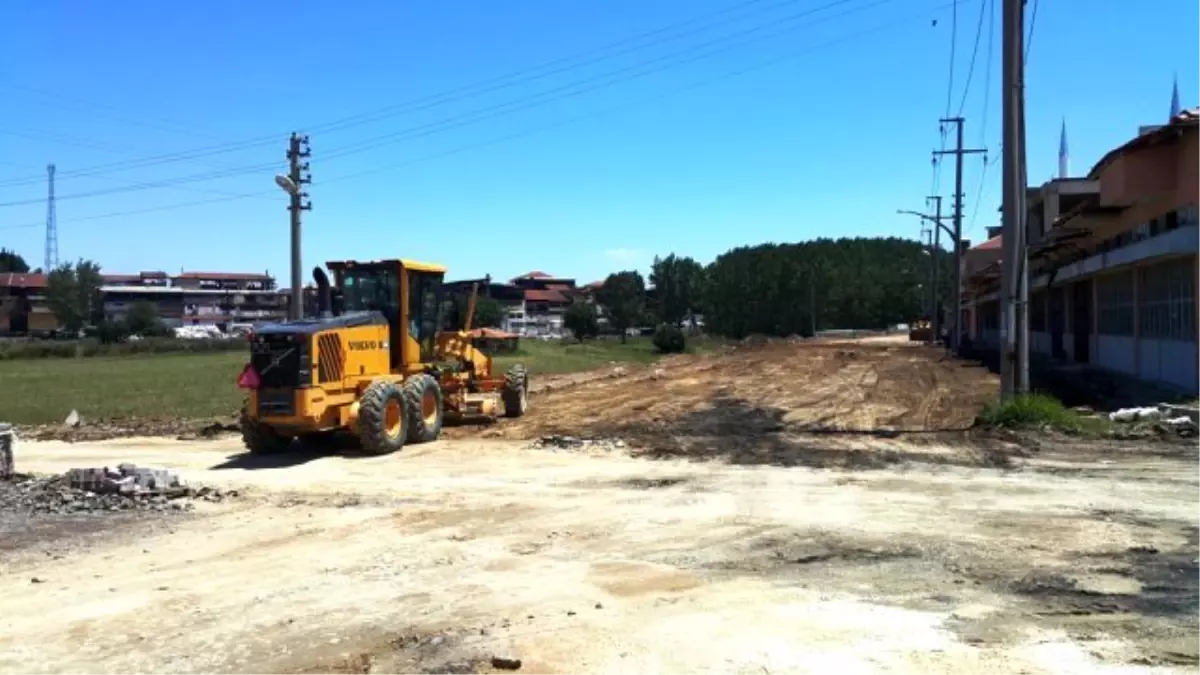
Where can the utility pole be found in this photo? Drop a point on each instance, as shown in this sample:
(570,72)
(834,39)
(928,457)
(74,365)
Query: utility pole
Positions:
(1014,368)
(51,258)
(298,173)
(959,151)
(938,225)
(933,259)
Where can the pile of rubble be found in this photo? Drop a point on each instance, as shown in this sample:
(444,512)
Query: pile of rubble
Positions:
(576,443)
(82,491)
(1161,419)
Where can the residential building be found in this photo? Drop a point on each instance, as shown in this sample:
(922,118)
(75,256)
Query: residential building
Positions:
(197,298)
(534,303)
(1113,262)
(23,308)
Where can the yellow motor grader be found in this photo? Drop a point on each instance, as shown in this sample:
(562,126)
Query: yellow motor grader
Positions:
(374,362)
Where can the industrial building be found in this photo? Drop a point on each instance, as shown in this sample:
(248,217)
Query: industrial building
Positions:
(1113,262)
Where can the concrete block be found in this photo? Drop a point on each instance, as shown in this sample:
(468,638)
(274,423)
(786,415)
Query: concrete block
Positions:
(8,444)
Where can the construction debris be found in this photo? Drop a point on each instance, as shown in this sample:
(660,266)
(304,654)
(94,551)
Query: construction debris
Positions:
(82,491)
(8,442)
(574,443)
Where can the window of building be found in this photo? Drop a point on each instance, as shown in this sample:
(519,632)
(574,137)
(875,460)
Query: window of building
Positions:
(1167,300)
(1114,303)
(1187,216)
(1037,311)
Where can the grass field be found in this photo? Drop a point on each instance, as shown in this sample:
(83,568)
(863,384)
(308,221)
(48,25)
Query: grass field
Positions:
(202,385)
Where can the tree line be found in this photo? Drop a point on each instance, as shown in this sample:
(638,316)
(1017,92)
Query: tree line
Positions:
(775,289)
(768,289)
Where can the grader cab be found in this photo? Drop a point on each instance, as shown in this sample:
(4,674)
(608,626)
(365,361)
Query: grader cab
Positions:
(374,362)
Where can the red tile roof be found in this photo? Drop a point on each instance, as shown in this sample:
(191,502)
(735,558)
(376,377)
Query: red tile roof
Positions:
(990,245)
(233,276)
(538,295)
(595,284)
(491,333)
(18,280)
(534,275)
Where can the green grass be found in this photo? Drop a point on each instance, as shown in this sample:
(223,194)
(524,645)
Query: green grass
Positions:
(202,385)
(1038,411)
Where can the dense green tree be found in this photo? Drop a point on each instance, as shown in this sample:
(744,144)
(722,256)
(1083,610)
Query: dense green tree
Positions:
(11,261)
(73,294)
(783,289)
(677,285)
(142,319)
(623,296)
(581,319)
(488,312)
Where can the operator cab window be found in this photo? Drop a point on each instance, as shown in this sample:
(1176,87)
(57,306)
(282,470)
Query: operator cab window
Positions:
(424,308)
(371,290)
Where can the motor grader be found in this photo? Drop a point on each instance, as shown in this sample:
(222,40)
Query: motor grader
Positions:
(374,362)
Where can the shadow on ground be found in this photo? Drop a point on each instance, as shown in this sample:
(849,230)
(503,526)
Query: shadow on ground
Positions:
(1077,384)
(736,431)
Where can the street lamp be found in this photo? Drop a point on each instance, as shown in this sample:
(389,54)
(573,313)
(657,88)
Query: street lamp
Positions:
(286,184)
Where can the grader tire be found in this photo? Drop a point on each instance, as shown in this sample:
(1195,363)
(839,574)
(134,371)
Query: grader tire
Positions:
(383,418)
(260,439)
(423,395)
(516,391)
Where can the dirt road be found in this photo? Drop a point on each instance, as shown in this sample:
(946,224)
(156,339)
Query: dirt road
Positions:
(912,552)
(461,551)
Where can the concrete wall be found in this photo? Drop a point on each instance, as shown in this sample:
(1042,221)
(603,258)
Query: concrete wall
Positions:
(1115,352)
(1039,342)
(1170,361)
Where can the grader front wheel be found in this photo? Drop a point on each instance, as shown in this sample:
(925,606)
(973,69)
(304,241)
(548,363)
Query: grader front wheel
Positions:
(423,395)
(516,391)
(383,418)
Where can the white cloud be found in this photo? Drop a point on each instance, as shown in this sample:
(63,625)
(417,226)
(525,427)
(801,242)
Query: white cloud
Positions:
(624,256)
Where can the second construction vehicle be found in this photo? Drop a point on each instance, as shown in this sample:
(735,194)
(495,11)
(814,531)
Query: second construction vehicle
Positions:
(375,362)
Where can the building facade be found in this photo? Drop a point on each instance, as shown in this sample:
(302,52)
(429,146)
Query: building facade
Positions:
(1113,262)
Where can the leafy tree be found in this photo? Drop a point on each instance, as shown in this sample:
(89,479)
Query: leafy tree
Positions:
(73,294)
(677,286)
(11,261)
(623,296)
(142,319)
(784,289)
(581,319)
(488,312)
(669,339)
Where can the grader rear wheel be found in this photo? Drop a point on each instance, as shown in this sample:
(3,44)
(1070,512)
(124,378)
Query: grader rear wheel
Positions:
(423,395)
(516,391)
(383,418)
(260,439)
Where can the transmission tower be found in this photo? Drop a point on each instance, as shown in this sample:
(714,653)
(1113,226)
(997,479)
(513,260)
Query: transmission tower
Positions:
(51,226)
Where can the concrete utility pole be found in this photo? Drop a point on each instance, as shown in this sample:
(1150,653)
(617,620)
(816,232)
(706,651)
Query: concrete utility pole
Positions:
(1014,372)
(938,225)
(298,174)
(935,307)
(959,151)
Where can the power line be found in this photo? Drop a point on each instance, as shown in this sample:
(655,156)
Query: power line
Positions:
(695,85)
(974,53)
(444,97)
(1032,24)
(558,93)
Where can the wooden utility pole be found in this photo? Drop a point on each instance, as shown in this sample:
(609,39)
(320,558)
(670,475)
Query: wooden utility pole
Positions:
(959,151)
(933,255)
(298,173)
(1014,361)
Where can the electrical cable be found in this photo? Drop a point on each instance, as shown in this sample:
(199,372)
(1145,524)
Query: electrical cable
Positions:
(974,53)
(411,106)
(561,92)
(694,85)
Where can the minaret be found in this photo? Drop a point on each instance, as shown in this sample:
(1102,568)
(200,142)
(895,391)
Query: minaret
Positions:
(1064,158)
(1174,99)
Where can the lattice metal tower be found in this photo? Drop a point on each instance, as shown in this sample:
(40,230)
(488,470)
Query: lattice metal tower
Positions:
(51,226)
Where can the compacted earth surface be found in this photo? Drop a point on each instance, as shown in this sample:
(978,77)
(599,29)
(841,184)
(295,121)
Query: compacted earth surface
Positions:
(783,507)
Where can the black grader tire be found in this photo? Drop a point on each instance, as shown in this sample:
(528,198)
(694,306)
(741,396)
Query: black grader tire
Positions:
(423,395)
(516,391)
(260,439)
(383,418)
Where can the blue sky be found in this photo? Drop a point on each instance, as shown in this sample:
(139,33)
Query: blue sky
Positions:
(791,126)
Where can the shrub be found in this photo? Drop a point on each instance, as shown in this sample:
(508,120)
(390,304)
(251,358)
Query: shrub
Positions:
(669,339)
(51,349)
(1030,410)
